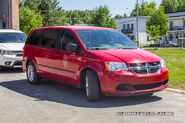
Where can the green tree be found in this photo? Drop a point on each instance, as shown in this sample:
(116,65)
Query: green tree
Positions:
(101,17)
(121,16)
(98,17)
(157,24)
(76,17)
(125,15)
(169,6)
(21,3)
(145,9)
(180,5)
(51,12)
(29,19)
(118,16)
(32,4)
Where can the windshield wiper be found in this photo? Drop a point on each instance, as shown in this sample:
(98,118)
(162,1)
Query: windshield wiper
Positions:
(97,48)
(125,48)
(3,42)
(19,41)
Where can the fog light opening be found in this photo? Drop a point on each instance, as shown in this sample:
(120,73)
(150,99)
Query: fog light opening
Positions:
(8,63)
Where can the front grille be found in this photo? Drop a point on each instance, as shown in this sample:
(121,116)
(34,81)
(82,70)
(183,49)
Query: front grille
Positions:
(148,86)
(17,53)
(129,87)
(146,68)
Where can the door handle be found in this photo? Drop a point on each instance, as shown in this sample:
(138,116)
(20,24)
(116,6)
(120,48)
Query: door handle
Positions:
(57,54)
(50,53)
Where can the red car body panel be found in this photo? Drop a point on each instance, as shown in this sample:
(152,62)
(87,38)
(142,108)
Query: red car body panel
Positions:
(94,60)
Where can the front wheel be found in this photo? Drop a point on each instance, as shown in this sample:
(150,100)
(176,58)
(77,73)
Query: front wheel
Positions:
(92,86)
(32,75)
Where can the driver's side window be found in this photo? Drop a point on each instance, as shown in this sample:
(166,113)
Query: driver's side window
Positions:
(67,37)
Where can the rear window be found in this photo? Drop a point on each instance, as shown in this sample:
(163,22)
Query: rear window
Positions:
(34,37)
(12,37)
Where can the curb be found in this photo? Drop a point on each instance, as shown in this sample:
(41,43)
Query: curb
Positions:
(176,90)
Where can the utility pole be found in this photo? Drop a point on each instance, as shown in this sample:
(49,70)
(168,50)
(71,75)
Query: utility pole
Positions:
(137,24)
(70,20)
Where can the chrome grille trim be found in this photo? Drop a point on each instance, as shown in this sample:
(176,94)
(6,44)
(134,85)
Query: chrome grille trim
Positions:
(146,68)
(17,53)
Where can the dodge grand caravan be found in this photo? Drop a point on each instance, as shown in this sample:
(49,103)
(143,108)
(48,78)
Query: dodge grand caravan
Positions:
(98,60)
(11,47)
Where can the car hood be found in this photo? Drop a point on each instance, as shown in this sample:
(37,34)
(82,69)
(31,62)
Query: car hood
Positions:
(12,46)
(127,55)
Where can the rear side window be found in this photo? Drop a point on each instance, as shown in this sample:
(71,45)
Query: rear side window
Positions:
(34,37)
(49,38)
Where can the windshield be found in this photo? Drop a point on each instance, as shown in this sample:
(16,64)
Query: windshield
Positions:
(12,37)
(104,39)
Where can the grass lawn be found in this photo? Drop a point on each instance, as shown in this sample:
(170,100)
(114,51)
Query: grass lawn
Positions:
(175,62)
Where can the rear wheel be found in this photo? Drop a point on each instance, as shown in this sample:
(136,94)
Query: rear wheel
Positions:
(92,86)
(32,75)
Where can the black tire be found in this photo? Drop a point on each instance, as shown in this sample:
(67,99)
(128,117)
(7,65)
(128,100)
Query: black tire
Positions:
(1,68)
(92,86)
(35,78)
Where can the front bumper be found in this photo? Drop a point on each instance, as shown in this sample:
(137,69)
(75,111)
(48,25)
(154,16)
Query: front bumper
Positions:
(128,83)
(11,61)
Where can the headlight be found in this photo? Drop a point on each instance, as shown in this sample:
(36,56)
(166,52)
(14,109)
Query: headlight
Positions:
(162,62)
(5,52)
(116,66)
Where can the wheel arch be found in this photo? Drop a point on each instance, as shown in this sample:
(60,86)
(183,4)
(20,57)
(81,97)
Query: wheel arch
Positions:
(83,74)
(30,60)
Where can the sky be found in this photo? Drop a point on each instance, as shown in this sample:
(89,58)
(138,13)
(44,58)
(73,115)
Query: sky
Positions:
(115,6)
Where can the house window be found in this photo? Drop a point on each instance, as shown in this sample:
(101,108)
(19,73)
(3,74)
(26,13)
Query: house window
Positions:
(171,37)
(128,26)
(166,38)
(148,38)
(124,26)
(133,37)
(171,24)
(132,26)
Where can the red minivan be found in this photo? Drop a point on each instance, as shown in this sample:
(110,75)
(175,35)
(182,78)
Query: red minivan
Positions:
(99,60)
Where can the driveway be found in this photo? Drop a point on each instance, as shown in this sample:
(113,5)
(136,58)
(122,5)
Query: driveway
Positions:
(52,102)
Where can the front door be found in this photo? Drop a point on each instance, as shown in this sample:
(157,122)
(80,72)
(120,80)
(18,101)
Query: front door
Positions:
(68,62)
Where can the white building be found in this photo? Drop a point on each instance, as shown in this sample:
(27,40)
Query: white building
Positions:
(128,26)
(177,27)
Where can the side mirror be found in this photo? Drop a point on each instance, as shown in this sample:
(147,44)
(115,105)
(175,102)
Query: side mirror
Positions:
(71,47)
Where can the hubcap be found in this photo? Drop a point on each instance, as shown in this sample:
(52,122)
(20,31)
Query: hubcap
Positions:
(87,86)
(31,73)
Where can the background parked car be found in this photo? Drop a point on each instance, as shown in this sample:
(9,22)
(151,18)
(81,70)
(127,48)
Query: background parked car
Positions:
(156,44)
(169,44)
(11,47)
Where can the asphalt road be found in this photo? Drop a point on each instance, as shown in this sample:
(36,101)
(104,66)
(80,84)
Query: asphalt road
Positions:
(52,102)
